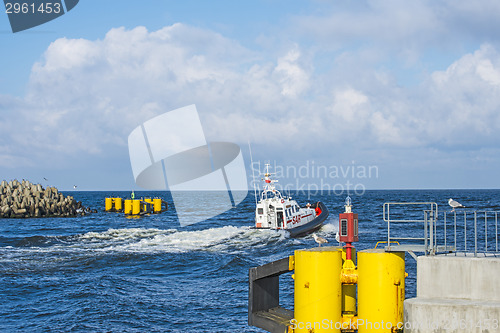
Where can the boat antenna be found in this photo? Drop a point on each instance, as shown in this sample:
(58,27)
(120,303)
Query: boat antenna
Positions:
(253,174)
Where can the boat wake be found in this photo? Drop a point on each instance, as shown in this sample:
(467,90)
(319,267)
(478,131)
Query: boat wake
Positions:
(139,240)
(222,239)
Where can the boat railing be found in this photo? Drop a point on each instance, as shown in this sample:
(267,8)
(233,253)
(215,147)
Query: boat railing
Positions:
(272,194)
(464,231)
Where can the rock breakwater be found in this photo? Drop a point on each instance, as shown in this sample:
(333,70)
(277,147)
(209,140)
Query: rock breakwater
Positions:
(24,199)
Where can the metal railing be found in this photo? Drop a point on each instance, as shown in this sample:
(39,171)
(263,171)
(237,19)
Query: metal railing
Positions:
(471,231)
(477,227)
(411,216)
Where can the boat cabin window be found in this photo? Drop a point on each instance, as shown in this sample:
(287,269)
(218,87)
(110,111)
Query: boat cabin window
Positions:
(260,211)
(279,219)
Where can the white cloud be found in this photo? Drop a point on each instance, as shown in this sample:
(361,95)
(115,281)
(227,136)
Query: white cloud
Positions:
(488,72)
(350,105)
(293,78)
(463,100)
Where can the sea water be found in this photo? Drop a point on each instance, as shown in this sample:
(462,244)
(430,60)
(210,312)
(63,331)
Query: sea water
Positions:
(108,273)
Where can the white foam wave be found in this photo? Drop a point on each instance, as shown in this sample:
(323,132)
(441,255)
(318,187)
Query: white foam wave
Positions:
(122,234)
(330,228)
(228,238)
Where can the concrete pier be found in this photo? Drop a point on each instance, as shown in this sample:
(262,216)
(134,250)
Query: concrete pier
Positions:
(455,293)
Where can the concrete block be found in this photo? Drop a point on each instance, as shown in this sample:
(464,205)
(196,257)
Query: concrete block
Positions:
(430,315)
(458,277)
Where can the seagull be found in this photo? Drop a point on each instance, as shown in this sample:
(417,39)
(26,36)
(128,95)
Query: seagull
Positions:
(74,187)
(319,240)
(45,179)
(455,204)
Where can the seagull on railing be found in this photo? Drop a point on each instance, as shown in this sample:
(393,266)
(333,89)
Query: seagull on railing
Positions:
(455,204)
(319,240)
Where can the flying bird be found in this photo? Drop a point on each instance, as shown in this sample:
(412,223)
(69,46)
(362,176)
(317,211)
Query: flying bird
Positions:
(45,179)
(319,240)
(455,204)
(74,187)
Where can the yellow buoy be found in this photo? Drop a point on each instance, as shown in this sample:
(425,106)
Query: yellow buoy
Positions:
(128,207)
(108,204)
(381,291)
(136,207)
(157,205)
(318,290)
(118,204)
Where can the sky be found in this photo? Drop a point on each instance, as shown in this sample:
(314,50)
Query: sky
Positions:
(379,94)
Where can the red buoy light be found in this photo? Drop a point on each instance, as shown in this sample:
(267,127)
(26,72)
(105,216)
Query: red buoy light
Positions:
(348,227)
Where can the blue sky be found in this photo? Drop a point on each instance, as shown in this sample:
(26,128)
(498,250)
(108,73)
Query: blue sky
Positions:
(409,87)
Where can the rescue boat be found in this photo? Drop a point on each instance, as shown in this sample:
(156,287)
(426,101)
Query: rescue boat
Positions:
(275,211)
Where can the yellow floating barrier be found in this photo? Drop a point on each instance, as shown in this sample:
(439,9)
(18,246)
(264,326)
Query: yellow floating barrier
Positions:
(135,206)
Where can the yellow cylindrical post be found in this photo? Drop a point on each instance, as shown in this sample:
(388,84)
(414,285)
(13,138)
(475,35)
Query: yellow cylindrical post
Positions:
(128,207)
(118,204)
(136,207)
(381,291)
(108,204)
(318,290)
(157,205)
